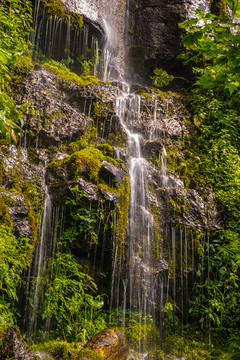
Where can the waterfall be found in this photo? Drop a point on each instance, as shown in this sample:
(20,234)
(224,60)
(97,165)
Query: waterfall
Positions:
(164,175)
(65,40)
(39,261)
(107,52)
(51,227)
(138,275)
(138,283)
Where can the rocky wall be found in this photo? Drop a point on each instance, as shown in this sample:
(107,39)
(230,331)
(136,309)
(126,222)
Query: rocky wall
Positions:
(75,145)
(154,39)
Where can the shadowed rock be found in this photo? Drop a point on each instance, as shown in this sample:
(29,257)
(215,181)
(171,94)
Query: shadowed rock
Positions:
(13,347)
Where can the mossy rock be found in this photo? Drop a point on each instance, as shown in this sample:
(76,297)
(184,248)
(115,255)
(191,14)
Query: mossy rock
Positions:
(12,346)
(57,8)
(84,163)
(106,149)
(108,344)
(64,73)
(89,354)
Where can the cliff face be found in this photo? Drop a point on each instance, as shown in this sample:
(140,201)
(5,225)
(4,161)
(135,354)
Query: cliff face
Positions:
(75,151)
(141,34)
(154,36)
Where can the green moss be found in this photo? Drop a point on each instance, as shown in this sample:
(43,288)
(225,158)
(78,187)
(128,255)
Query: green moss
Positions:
(4,213)
(32,156)
(56,7)
(86,162)
(106,149)
(1,169)
(157,244)
(156,355)
(90,354)
(21,66)
(60,350)
(179,204)
(189,348)
(97,110)
(30,193)
(219,8)
(64,73)
(14,174)
(86,140)
(145,94)
(76,20)
(89,158)
(145,334)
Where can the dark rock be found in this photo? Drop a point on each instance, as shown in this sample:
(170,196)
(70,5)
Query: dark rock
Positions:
(18,212)
(13,347)
(109,344)
(52,118)
(154,36)
(111,174)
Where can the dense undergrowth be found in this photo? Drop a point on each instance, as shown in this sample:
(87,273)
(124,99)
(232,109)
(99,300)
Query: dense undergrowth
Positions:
(211,160)
(15,60)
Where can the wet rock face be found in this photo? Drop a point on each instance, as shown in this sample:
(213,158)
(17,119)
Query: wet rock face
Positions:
(58,112)
(21,183)
(13,347)
(109,344)
(154,36)
(52,117)
(181,206)
(69,126)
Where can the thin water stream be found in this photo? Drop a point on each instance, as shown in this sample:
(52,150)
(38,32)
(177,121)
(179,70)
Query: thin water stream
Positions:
(138,276)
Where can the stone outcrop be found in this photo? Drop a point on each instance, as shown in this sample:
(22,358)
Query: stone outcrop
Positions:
(109,344)
(154,36)
(13,347)
(75,151)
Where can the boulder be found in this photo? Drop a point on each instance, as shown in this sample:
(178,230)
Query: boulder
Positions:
(109,344)
(13,347)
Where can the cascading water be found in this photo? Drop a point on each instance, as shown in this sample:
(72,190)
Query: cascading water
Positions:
(137,276)
(66,39)
(164,175)
(137,284)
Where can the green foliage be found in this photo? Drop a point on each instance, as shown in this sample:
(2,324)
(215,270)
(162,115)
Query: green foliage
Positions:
(212,159)
(87,66)
(139,329)
(216,293)
(68,300)
(161,78)
(58,349)
(14,258)
(233,352)
(15,19)
(84,220)
(213,49)
(234,6)
(189,347)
